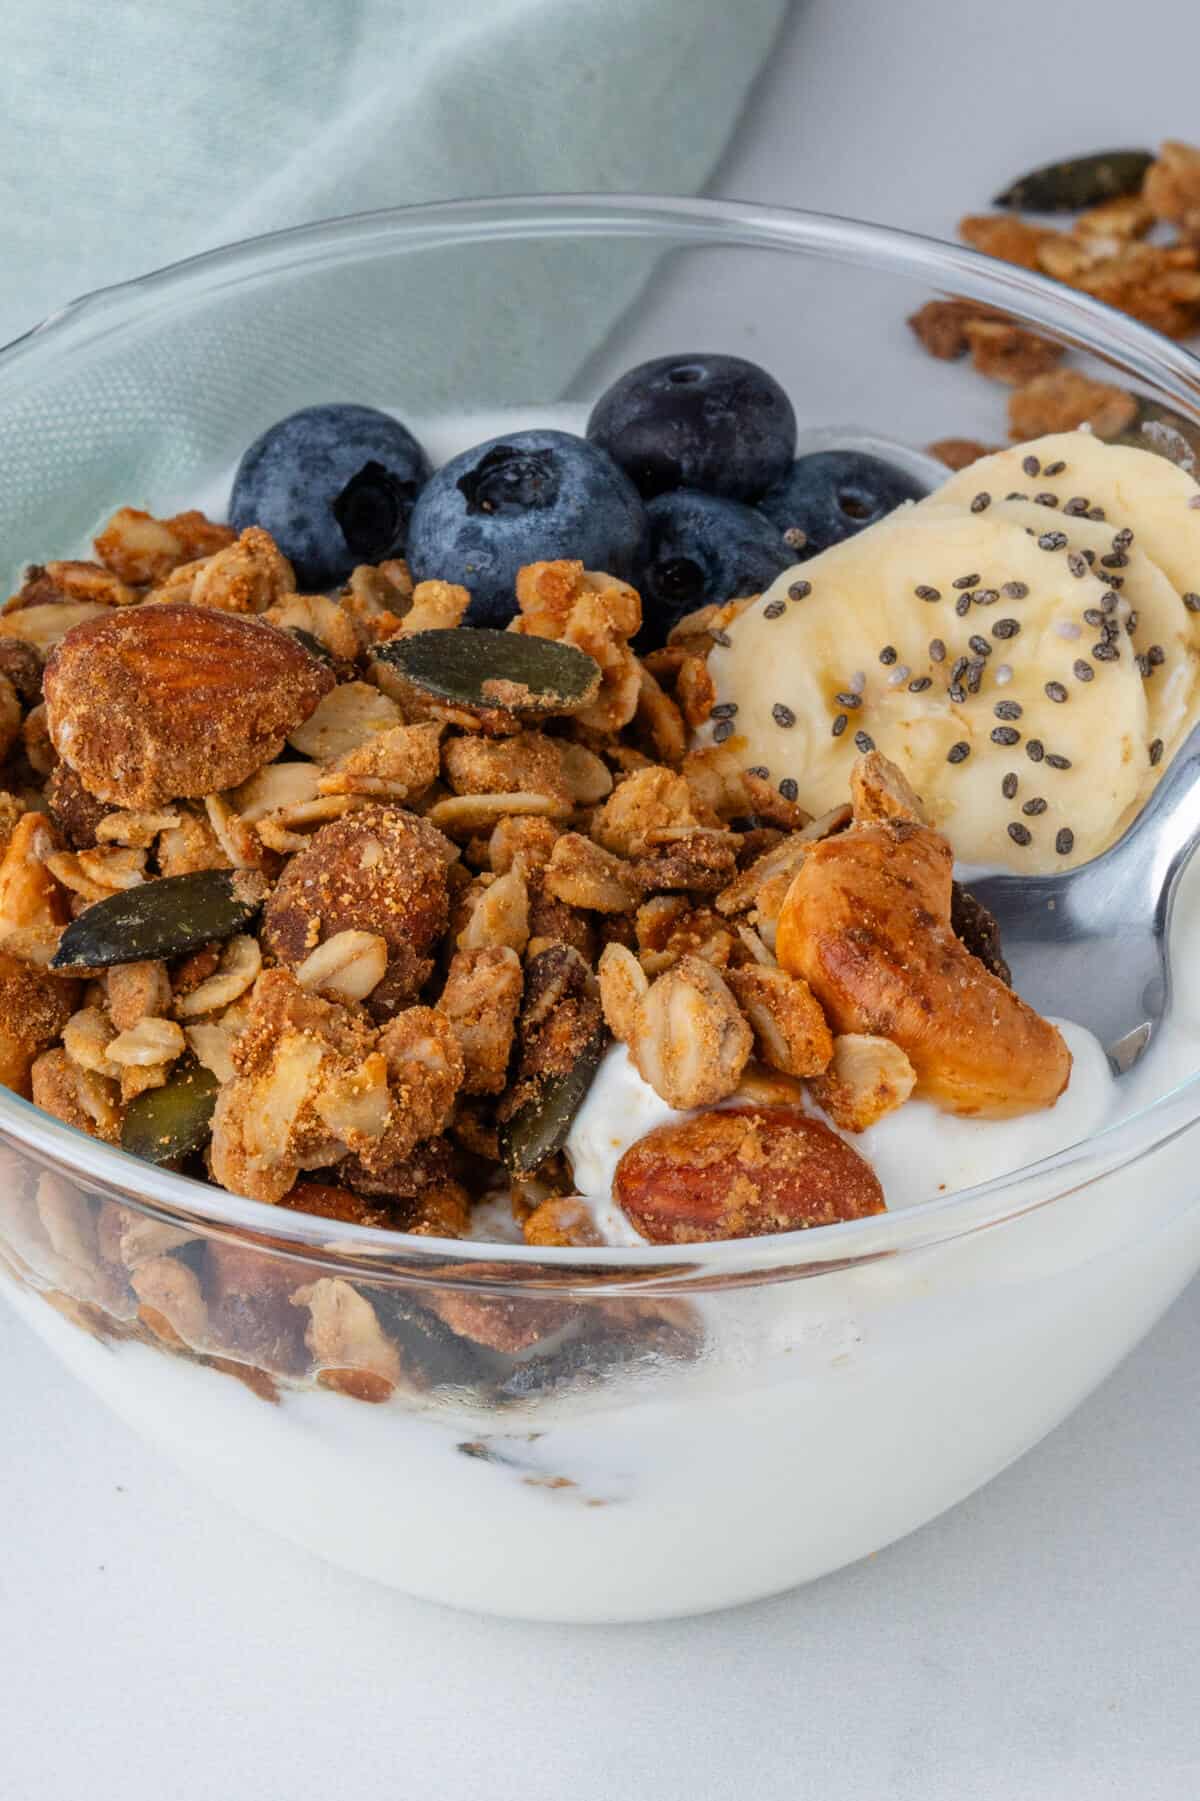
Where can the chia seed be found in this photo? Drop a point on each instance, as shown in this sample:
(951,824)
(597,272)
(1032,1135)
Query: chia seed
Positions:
(962,605)
(980,646)
(774,609)
(760,770)
(919,684)
(888,655)
(864,742)
(1052,541)
(1076,564)
(956,693)
(1122,539)
(1064,844)
(1191,600)
(1106,652)
(848,698)
(1035,750)
(986,597)
(1156,751)
(1005,734)
(1020,834)
(783,716)
(1031,465)
(958,753)
(1076,507)
(1034,807)
(839,725)
(1097,513)
(788,788)
(799,590)
(1054,469)
(924,592)
(1054,761)
(725,709)
(1055,691)
(1006,628)
(722,730)
(937,650)
(1015,590)
(1008,709)
(1083,671)
(966,581)
(981,503)
(1046,500)
(1008,786)
(1116,560)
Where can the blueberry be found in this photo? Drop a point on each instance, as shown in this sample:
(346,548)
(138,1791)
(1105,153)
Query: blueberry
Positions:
(717,423)
(833,494)
(703,549)
(525,498)
(334,485)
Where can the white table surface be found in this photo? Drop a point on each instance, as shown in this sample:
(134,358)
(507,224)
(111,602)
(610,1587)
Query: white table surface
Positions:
(1040,1640)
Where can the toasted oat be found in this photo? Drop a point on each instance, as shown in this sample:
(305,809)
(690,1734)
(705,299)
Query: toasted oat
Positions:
(695,691)
(718,782)
(136,991)
(33,907)
(345,967)
(1172,186)
(247,576)
(35,740)
(529,763)
(436,607)
(141,549)
(11,722)
(1011,239)
(481,1000)
(350,715)
(397,764)
(562,1220)
(1066,400)
(95,874)
(172,1303)
(190,846)
(151,1042)
(322,618)
(587,776)
(790,1030)
(879,790)
(868,1078)
(236,972)
(596,613)
(689,1040)
(53,583)
(690,932)
(519,835)
(464,814)
(45,626)
(1008,353)
(86,1038)
(78,1096)
(650,800)
(425,1072)
(623,987)
(352,1352)
(584,874)
(376,598)
(660,721)
(1115,222)
(497,913)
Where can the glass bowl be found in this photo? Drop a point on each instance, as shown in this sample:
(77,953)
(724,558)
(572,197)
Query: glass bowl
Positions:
(585,1435)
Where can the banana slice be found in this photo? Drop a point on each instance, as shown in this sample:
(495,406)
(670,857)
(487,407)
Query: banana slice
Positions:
(1157,630)
(1152,496)
(934,637)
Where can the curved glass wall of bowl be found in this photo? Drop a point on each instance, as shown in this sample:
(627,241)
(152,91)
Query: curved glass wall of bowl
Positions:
(145,392)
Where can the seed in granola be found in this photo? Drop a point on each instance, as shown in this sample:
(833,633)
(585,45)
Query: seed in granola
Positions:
(966,581)
(1093,616)
(888,654)
(1064,844)
(1076,564)
(1106,652)
(1157,656)
(1009,785)
(1076,507)
(1067,628)
(1122,539)
(848,698)
(1046,500)
(959,668)
(980,646)
(1052,541)
(864,742)
(1035,750)
(840,724)
(1097,513)
(986,597)
(1116,560)
(1191,599)
(720,637)
(724,709)
(1131,623)
(1031,465)
(1020,834)
(1015,590)
(800,590)
(962,605)
(981,502)
(479,668)
(1156,751)
(1005,734)
(958,753)
(937,647)
(760,770)
(919,684)
(167,1123)
(1083,670)
(924,592)
(975,677)
(1055,761)
(788,788)
(1002,674)
(164,918)
(1035,806)
(722,730)
(795,537)
(1008,709)
(783,716)
(957,693)
(774,609)
(1055,691)
(1078,182)
(1006,628)
(1016,494)
(1111,601)
(1089,557)
(1054,469)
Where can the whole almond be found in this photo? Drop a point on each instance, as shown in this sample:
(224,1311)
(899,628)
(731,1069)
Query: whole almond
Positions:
(153,703)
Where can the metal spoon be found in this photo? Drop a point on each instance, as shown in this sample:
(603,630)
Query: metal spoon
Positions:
(1092,944)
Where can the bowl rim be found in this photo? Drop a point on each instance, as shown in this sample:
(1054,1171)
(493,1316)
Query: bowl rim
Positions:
(683,222)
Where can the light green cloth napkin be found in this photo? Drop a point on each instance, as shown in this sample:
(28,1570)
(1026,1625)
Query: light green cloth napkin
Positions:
(136,133)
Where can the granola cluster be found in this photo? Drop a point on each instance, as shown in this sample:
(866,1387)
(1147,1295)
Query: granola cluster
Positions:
(1134,243)
(278,908)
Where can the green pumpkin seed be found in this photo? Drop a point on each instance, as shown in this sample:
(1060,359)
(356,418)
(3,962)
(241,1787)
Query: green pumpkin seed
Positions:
(165,1124)
(1082,181)
(166,918)
(311,643)
(1165,432)
(482,669)
(539,1128)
